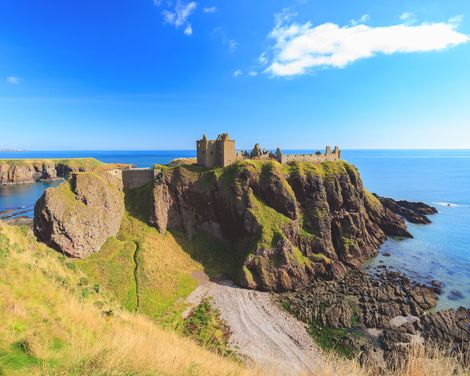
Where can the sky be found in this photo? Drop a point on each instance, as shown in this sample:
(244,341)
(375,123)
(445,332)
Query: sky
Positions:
(298,74)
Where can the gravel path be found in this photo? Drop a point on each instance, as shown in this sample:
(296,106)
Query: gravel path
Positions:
(261,330)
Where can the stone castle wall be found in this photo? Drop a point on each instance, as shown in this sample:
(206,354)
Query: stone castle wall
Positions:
(328,156)
(135,177)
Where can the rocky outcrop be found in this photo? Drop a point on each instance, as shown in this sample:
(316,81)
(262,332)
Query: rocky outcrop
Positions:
(30,171)
(387,304)
(285,225)
(78,216)
(414,212)
(359,298)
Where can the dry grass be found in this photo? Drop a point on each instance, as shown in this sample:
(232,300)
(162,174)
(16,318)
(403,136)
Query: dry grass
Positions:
(49,327)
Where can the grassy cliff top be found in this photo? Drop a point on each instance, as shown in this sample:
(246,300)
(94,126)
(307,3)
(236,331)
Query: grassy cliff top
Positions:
(89,163)
(324,169)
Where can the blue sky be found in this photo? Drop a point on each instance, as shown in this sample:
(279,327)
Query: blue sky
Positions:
(147,74)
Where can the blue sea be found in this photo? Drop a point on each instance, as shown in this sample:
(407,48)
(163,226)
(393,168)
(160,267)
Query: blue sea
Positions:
(441,178)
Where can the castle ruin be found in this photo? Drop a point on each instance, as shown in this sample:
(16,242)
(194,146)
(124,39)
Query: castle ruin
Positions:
(216,153)
(221,152)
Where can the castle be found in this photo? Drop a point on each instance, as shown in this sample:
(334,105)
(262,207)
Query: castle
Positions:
(218,153)
(221,152)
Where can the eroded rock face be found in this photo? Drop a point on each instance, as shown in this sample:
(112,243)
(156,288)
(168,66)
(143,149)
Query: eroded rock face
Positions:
(30,171)
(78,216)
(288,224)
(27,173)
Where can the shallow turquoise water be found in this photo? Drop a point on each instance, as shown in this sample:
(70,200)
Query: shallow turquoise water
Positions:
(441,178)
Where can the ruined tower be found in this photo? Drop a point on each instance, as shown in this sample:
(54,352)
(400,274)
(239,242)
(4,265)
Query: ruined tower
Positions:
(216,153)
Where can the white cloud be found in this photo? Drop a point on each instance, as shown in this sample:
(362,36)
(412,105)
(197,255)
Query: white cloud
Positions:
(300,48)
(210,9)
(252,73)
(364,18)
(456,20)
(238,73)
(263,59)
(231,43)
(13,80)
(188,30)
(406,16)
(178,14)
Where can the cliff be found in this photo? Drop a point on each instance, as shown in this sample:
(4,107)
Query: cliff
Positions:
(17,171)
(274,227)
(78,216)
(283,225)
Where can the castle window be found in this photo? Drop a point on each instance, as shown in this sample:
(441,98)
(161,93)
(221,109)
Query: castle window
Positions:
(212,153)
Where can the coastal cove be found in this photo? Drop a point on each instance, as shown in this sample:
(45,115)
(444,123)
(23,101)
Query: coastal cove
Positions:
(438,177)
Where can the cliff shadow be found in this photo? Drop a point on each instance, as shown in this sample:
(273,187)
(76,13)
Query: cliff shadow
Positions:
(219,258)
(138,202)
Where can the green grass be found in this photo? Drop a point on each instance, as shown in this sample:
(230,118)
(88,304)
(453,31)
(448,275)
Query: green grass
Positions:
(112,268)
(17,358)
(270,220)
(206,327)
(334,339)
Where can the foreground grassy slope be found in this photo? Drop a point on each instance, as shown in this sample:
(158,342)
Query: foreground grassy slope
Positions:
(55,321)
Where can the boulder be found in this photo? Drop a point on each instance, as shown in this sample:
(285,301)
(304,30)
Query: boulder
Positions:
(78,216)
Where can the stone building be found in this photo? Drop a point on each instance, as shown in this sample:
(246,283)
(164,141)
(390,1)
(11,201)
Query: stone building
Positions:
(216,153)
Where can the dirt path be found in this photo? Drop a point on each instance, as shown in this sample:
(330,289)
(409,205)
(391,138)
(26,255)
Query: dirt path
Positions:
(261,330)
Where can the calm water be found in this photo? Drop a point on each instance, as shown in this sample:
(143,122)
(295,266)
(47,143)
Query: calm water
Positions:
(440,250)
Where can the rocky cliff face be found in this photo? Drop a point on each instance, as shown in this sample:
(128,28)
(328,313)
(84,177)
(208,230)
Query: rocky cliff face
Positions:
(287,224)
(77,217)
(30,171)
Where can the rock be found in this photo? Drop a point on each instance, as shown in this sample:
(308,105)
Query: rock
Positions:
(390,338)
(450,328)
(386,254)
(414,212)
(455,295)
(300,220)
(77,217)
(437,286)
(418,207)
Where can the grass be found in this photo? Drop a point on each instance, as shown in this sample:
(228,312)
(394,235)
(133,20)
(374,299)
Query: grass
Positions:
(75,163)
(49,327)
(205,326)
(161,270)
(270,220)
(335,339)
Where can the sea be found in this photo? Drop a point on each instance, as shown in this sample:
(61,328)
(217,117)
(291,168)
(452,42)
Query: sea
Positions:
(440,250)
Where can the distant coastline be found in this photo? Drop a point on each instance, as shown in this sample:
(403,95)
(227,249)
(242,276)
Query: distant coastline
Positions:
(6,150)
